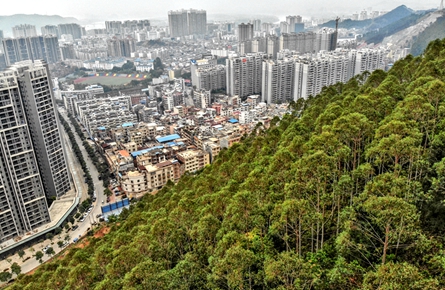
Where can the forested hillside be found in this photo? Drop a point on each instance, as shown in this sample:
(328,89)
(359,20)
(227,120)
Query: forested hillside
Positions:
(433,31)
(345,193)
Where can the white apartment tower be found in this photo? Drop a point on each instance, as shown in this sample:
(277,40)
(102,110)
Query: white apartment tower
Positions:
(245,32)
(211,79)
(291,20)
(365,60)
(244,74)
(24,30)
(277,84)
(40,110)
(187,22)
(311,75)
(32,159)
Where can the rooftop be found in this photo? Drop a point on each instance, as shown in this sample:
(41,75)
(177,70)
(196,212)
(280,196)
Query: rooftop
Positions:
(168,138)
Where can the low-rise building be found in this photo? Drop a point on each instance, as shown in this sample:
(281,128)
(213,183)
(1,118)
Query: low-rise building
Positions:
(193,160)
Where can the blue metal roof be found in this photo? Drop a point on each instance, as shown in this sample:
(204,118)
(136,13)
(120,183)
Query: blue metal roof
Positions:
(168,138)
(129,124)
(233,121)
(141,152)
(115,205)
(101,128)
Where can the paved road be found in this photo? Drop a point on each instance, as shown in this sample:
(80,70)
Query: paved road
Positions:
(98,184)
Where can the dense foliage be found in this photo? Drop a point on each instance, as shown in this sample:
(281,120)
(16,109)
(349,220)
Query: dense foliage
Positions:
(344,193)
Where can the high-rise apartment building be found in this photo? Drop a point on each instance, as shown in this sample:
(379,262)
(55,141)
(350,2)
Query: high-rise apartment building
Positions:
(121,47)
(31,48)
(113,27)
(305,42)
(256,24)
(269,45)
(50,29)
(328,68)
(365,60)
(67,51)
(266,26)
(277,82)
(206,62)
(128,26)
(24,30)
(32,161)
(284,27)
(187,22)
(245,32)
(73,29)
(211,78)
(244,75)
(207,75)
(291,21)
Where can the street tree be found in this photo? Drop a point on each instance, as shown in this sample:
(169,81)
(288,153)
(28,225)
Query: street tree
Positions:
(39,256)
(21,253)
(16,269)
(50,251)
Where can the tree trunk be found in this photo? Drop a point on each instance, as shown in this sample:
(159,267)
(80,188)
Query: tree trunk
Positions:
(385,245)
(299,238)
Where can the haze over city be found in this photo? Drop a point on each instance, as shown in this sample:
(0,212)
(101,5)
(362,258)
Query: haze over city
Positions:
(116,9)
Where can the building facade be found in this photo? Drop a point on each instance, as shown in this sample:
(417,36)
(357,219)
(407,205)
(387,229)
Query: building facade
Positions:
(31,48)
(187,22)
(244,75)
(32,162)
(24,30)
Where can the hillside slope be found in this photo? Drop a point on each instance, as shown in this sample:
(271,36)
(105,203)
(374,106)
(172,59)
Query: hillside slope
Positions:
(377,36)
(407,36)
(345,193)
(435,30)
(392,16)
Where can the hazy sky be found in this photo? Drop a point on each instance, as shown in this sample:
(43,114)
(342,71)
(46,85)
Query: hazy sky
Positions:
(138,9)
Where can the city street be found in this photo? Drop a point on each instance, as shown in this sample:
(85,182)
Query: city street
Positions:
(98,184)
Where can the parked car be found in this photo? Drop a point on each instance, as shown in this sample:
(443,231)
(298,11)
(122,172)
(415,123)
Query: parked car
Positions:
(75,227)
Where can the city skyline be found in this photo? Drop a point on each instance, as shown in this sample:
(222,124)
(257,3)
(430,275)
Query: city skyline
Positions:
(120,10)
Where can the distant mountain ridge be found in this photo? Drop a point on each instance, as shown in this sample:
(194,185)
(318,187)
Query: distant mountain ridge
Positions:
(7,22)
(370,24)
